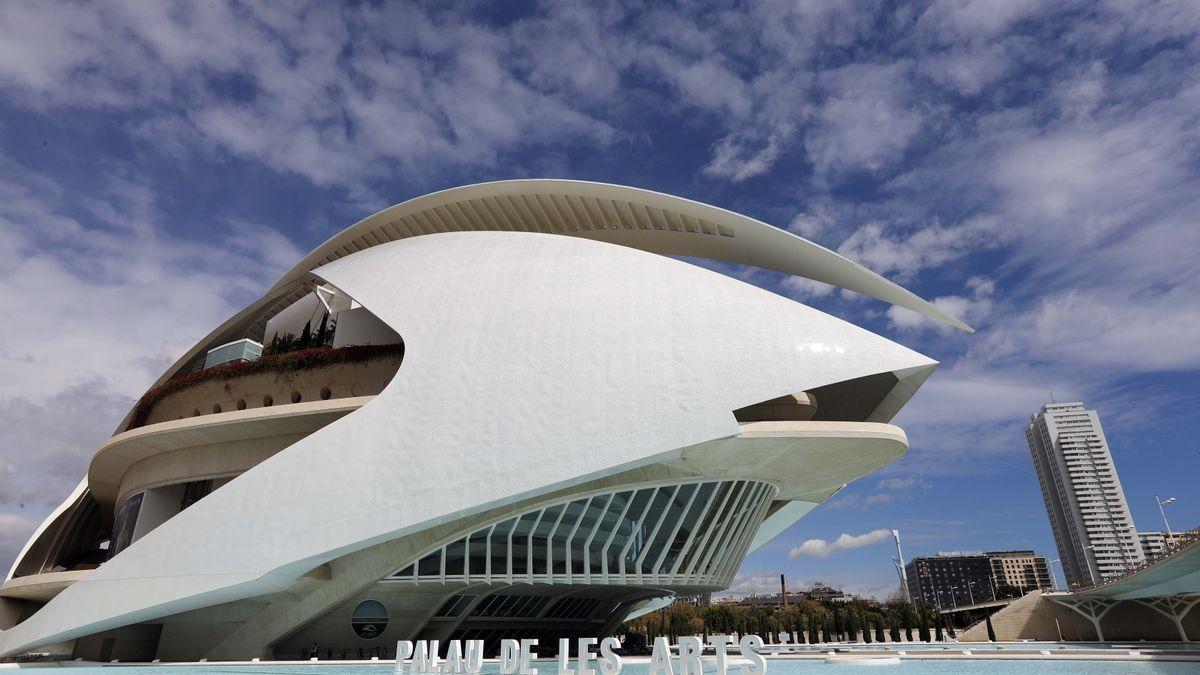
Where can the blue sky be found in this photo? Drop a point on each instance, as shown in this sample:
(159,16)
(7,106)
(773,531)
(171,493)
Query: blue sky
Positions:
(1030,167)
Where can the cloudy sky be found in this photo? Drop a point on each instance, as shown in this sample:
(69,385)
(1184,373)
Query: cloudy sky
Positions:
(1031,167)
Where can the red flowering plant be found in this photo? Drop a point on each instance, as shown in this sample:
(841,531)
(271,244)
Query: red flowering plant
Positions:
(283,364)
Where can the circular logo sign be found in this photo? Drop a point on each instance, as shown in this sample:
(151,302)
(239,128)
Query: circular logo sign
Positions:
(369,619)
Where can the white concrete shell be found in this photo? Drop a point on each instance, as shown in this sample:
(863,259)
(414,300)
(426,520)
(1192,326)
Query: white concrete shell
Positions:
(641,219)
(534,364)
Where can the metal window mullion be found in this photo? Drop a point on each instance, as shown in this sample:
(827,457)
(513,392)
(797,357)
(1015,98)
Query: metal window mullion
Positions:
(633,533)
(613,534)
(550,549)
(511,531)
(466,557)
(529,545)
(762,500)
(687,545)
(675,530)
(487,554)
(748,527)
(733,531)
(571,537)
(719,525)
(720,543)
(442,567)
(712,526)
(657,527)
(587,544)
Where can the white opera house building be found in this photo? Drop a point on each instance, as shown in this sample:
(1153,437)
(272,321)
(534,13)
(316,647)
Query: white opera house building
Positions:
(513,409)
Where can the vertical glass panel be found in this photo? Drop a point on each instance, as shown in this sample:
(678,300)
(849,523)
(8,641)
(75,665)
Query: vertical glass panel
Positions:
(456,553)
(405,573)
(727,524)
(705,531)
(484,608)
(430,565)
(559,548)
(625,528)
(608,525)
(654,514)
(674,512)
(499,552)
(716,539)
(503,608)
(540,541)
(127,516)
(478,552)
(590,517)
(687,527)
(520,542)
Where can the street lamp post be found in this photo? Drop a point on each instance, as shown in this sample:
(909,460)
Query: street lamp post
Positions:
(1161,504)
(1064,572)
(1092,562)
(1055,581)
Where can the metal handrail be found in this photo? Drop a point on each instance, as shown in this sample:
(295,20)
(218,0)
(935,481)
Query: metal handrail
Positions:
(1178,543)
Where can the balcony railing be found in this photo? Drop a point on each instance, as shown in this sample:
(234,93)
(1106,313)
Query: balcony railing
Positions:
(1179,542)
(280,364)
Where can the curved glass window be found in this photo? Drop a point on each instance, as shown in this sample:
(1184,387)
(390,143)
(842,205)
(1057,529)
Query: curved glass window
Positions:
(126,520)
(689,533)
(369,619)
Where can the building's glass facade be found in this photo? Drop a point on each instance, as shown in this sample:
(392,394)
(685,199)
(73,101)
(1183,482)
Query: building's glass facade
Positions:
(690,534)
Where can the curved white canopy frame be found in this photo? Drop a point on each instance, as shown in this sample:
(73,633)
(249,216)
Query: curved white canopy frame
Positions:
(641,219)
(633,217)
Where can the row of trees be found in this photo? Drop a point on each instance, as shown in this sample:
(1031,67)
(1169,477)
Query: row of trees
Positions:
(809,620)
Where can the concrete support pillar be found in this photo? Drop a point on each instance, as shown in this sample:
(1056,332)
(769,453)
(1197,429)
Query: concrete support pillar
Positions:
(1092,609)
(1174,607)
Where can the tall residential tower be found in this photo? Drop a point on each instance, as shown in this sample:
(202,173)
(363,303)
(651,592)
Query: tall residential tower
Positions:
(1084,499)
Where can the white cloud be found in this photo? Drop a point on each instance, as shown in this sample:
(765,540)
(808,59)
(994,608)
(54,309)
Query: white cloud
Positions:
(762,583)
(969,70)
(337,95)
(737,157)
(866,121)
(973,308)
(905,249)
(803,288)
(974,20)
(820,548)
(902,484)
(811,225)
(886,491)
(15,529)
(103,306)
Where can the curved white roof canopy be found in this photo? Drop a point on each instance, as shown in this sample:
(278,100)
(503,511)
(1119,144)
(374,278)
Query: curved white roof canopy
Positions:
(633,217)
(641,219)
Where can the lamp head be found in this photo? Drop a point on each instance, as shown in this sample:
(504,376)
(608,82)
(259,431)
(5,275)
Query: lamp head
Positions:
(1170,500)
